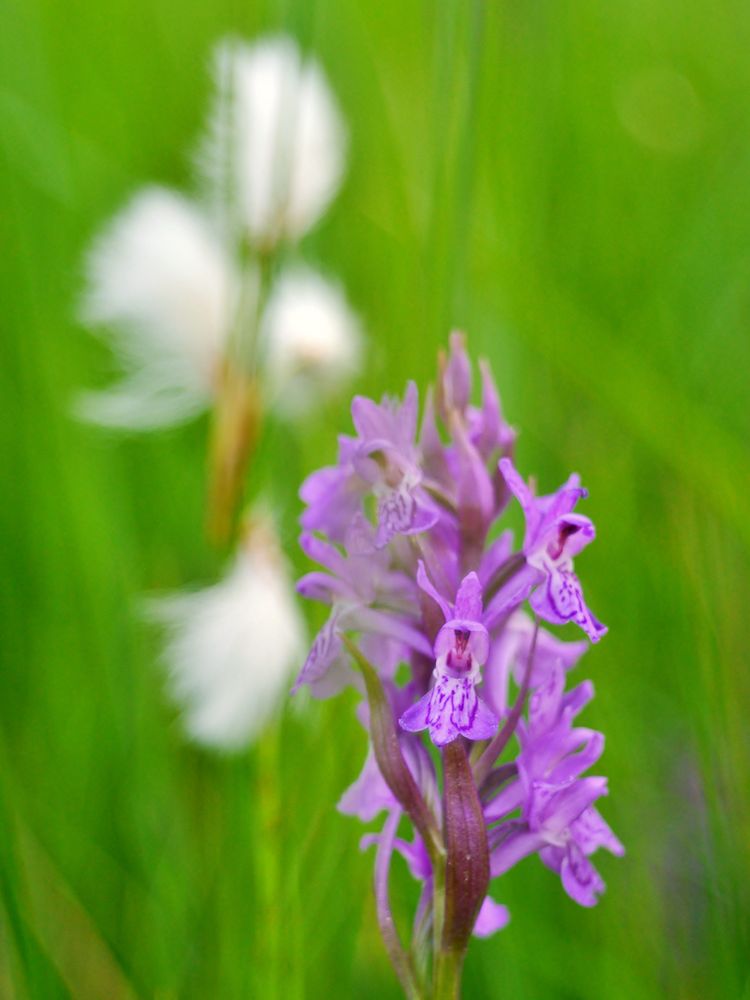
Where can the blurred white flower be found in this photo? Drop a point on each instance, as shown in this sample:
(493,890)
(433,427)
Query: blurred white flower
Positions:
(233,648)
(168,285)
(276,141)
(311,339)
(163,291)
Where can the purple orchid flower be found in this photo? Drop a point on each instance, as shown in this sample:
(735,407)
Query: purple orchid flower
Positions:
(387,459)
(407,518)
(382,460)
(561,824)
(453,708)
(358,587)
(568,849)
(554,535)
(558,819)
(333,495)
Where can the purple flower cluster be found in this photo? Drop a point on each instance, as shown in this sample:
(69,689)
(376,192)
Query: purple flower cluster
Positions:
(405,528)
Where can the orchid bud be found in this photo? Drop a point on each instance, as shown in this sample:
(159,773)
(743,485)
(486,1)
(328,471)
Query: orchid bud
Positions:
(467,872)
(454,384)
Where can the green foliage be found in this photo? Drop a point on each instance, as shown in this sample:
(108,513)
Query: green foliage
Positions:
(571,185)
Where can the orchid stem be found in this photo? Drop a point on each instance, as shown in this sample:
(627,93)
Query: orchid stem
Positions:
(390,760)
(447,977)
(505,572)
(498,743)
(400,960)
(438,915)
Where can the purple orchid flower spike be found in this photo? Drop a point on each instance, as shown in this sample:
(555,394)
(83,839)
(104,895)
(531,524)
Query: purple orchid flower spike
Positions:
(430,622)
(554,535)
(453,708)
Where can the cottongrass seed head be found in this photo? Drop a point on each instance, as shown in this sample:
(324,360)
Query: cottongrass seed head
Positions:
(173,284)
(232,648)
(160,286)
(312,341)
(276,143)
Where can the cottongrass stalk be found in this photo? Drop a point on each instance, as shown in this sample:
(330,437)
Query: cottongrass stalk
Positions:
(406,527)
(271,160)
(196,296)
(205,312)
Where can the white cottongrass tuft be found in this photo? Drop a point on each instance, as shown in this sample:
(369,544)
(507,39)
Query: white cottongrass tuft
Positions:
(163,291)
(233,648)
(311,339)
(275,149)
(162,287)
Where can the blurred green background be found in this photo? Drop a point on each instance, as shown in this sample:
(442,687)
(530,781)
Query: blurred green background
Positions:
(570,183)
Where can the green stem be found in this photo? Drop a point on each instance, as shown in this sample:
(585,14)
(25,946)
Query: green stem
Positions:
(438,909)
(269,871)
(390,760)
(238,411)
(447,978)
(400,960)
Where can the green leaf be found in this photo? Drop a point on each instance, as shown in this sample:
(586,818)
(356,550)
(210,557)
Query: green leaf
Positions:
(388,754)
